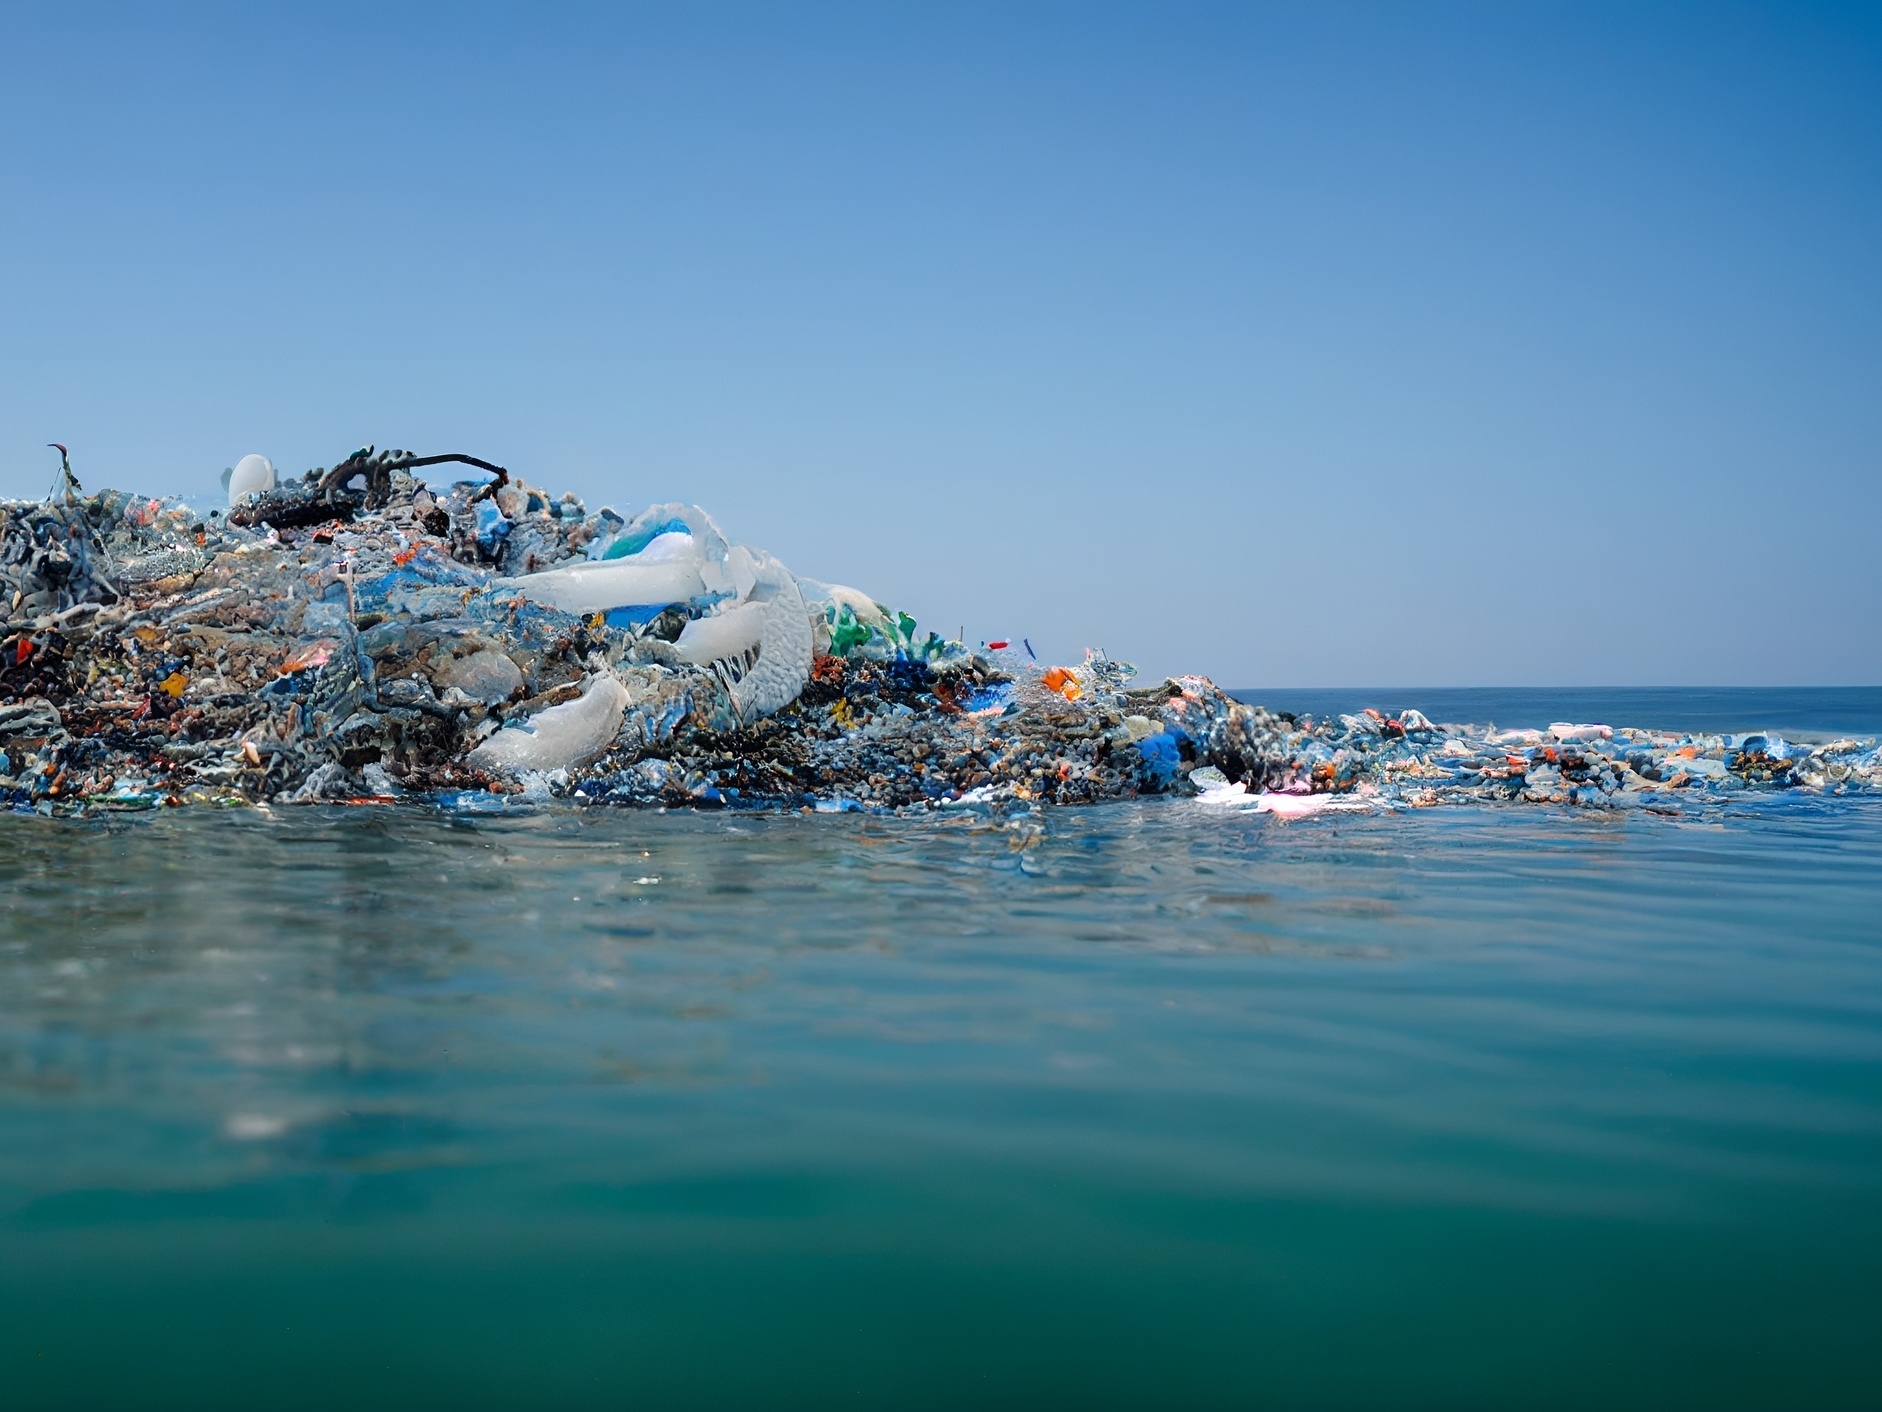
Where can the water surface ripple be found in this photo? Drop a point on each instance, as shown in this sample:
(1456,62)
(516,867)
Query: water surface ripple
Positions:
(1140,1104)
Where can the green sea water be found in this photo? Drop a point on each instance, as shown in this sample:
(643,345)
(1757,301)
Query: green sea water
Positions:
(1140,1105)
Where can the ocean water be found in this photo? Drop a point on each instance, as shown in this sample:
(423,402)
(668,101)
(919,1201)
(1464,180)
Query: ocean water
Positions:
(1797,713)
(1137,1105)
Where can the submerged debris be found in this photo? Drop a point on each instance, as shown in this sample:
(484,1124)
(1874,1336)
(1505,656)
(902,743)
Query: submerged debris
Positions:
(359,635)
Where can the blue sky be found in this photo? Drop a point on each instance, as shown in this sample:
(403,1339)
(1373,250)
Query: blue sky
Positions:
(1296,345)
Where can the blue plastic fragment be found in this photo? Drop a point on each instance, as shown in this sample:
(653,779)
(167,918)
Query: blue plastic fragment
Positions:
(635,614)
(629,544)
(988,698)
(1161,753)
(492,527)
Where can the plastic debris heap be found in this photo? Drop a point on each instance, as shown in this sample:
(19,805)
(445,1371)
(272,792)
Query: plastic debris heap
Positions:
(361,635)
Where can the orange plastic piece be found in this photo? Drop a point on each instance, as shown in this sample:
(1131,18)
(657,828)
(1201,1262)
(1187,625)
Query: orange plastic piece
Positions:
(1060,680)
(315,654)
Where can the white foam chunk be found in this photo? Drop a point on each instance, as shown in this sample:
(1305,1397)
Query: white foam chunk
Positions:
(784,656)
(251,475)
(1569,732)
(559,737)
(729,633)
(597,586)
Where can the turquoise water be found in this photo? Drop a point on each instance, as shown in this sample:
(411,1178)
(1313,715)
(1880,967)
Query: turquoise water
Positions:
(1799,713)
(1148,1105)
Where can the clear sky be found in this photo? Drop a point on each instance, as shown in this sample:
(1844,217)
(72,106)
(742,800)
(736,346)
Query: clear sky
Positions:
(1319,344)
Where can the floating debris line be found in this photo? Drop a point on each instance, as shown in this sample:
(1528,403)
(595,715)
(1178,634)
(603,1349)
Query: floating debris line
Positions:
(358,635)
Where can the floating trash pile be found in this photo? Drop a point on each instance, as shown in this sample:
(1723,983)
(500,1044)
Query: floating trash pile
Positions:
(359,635)
(1373,760)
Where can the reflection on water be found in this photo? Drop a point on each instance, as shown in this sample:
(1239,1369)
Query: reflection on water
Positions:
(1137,1103)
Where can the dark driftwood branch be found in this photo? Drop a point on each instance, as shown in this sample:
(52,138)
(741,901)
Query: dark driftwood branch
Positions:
(378,471)
(332,498)
(485,492)
(503,476)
